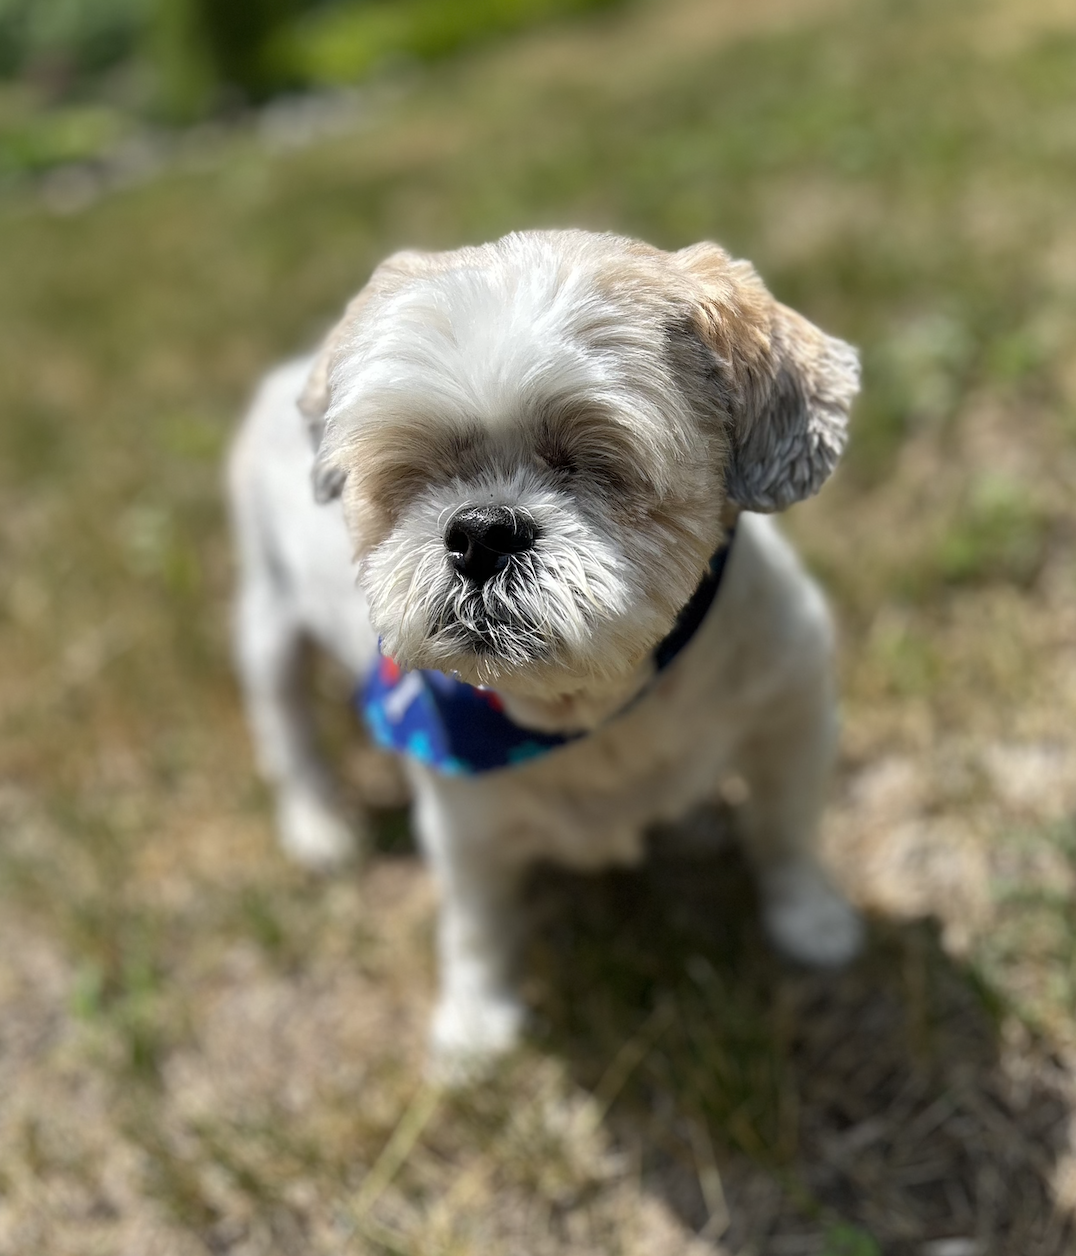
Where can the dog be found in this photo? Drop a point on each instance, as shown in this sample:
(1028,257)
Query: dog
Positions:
(537,473)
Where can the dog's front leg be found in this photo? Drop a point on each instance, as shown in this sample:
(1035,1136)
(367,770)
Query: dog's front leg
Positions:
(785,762)
(479,1014)
(269,648)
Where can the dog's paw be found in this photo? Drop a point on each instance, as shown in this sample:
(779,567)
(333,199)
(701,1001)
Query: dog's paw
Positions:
(807,919)
(313,833)
(469,1037)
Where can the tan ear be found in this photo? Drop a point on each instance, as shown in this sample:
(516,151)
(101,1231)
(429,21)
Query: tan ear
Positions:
(787,387)
(316,397)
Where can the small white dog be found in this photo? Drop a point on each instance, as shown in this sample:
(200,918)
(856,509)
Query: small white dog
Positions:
(540,448)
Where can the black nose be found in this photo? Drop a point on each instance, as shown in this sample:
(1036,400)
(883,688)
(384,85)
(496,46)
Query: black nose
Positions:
(480,540)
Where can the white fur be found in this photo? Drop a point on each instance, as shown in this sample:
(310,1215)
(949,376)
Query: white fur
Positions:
(561,376)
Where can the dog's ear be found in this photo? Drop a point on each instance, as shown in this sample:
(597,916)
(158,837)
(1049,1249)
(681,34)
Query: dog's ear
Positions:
(786,386)
(316,397)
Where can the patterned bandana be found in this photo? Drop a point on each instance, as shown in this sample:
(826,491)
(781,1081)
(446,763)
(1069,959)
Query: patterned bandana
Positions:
(462,730)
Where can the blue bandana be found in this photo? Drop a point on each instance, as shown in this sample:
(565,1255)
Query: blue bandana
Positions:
(462,730)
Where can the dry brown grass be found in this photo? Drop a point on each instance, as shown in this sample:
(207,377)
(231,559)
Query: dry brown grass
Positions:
(201,1050)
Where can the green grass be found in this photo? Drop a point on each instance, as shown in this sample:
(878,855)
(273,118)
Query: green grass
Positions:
(204,1043)
(343,44)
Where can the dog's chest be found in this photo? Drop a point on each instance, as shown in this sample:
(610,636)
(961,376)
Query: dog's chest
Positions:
(587,803)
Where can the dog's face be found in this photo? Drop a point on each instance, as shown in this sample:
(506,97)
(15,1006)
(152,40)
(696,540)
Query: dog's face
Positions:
(536,441)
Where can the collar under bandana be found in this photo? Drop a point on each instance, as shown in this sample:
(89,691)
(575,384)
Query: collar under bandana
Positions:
(461,730)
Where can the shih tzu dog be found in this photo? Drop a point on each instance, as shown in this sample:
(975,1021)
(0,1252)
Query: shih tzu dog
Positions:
(520,492)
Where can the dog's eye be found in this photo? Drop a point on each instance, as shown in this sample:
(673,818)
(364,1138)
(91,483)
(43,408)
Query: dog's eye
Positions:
(608,477)
(558,459)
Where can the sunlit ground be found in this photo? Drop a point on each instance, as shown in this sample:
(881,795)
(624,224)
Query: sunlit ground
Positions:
(203,1050)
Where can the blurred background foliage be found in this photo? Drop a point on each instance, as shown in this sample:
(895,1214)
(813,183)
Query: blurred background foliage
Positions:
(77,73)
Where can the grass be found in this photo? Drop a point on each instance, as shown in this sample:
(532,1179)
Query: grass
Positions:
(341,45)
(201,1049)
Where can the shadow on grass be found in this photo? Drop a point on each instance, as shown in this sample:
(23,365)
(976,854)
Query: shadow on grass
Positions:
(783,1111)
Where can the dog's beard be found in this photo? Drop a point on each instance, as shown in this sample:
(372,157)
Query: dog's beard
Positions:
(503,619)
(560,616)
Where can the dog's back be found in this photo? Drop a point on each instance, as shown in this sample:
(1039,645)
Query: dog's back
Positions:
(294,554)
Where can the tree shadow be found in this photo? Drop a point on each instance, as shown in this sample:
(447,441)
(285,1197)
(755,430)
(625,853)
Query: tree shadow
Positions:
(888,1108)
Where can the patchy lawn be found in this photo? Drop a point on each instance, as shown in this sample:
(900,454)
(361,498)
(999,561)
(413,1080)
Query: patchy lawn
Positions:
(203,1050)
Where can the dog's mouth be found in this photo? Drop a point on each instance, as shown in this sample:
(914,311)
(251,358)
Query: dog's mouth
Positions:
(501,623)
(511,640)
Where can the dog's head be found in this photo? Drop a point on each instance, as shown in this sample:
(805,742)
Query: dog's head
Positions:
(536,441)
